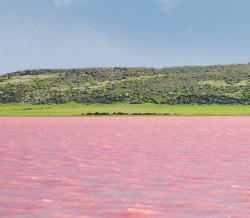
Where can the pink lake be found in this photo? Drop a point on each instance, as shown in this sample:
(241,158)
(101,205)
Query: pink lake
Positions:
(123,167)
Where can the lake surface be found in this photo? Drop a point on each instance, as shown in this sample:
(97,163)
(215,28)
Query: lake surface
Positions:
(123,167)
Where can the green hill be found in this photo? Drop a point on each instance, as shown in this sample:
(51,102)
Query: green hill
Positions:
(228,84)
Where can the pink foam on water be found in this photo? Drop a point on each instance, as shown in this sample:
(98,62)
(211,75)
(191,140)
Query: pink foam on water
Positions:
(116,167)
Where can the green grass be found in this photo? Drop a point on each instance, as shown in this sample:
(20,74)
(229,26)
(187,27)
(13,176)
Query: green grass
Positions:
(122,108)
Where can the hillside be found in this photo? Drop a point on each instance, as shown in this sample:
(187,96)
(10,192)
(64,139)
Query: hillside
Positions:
(228,84)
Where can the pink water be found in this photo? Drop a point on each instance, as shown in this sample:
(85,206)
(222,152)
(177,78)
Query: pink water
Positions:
(123,167)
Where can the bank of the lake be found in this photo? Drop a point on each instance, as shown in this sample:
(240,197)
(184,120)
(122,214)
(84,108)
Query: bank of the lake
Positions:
(122,109)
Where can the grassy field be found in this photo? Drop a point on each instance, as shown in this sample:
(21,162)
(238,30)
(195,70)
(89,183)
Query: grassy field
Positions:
(122,109)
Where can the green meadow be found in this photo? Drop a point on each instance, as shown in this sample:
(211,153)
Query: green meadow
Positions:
(73,109)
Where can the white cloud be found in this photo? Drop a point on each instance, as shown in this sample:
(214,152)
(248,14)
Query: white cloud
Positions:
(67,3)
(165,5)
(168,5)
(48,47)
(63,3)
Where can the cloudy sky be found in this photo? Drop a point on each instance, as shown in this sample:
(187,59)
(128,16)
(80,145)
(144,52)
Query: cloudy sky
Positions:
(87,33)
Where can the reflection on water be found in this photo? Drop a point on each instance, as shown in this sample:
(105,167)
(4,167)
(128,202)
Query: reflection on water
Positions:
(118,167)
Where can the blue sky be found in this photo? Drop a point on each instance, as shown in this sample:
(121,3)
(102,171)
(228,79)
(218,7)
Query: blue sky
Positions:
(94,33)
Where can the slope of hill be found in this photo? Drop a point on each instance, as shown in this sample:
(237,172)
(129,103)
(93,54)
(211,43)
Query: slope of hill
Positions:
(228,84)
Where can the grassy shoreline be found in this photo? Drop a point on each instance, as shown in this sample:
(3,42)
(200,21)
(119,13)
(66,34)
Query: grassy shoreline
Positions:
(73,109)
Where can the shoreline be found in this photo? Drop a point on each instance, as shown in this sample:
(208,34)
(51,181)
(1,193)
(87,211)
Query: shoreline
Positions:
(120,109)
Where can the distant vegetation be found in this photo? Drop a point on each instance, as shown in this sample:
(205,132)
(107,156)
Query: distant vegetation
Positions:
(229,84)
